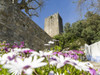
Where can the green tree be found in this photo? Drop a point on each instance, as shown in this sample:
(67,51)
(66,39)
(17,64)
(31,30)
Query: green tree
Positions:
(91,32)
(88,34)
(81,32)
(61,41)
(67,27)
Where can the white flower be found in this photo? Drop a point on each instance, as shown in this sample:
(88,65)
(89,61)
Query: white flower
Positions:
(60,61)
(38,62)
(88,64)
(53,62)
(15,67)
(46,44)
(24,65)
(52,73)
(42,53)
(7,57)
(35,53)
(48,53)
(82,66)
(28,71)
(51,42)
(25,49)
(17,50)
(73,62)
(20,49)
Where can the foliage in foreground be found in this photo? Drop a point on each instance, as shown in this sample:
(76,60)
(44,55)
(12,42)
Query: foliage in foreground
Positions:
(24,61)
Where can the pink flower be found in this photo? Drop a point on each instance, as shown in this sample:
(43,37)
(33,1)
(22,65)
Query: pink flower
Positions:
(75,56)
(15,45)
(99,70)
(6,49)
(11,58)
(65,54)
(71,52)
(92,71)
(60,53)
(75,51)
(55,53)
(22,44)
(81,52)
(31,50)
(28,51)
(7,44)
(78,52)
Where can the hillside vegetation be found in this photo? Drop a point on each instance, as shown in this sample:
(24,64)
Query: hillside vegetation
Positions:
(80,32)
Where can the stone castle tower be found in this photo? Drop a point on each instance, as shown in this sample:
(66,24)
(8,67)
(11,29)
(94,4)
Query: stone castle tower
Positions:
(53,25)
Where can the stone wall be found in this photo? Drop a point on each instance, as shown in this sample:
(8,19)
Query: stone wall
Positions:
(53,25)
(15,26)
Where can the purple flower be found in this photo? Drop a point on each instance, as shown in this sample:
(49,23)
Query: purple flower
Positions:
(31,50)
(26,67)
(68,71)
(74,63)
(92,71)
(22,44)
(71,52)
(53,58)
(78,52)
(81,52)
(6,49)
(66,62)
(55,53)
(26,51)
(71,56)
(15,45)
(99,70)
(2,43)
(65,54)
(60,53)
(75,56)
(11,58)
(75,51)
(7,44)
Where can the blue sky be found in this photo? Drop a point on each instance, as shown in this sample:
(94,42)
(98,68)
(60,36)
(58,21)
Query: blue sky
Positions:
(66,8)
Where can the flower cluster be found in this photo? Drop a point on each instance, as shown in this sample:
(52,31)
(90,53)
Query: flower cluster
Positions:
(25,61)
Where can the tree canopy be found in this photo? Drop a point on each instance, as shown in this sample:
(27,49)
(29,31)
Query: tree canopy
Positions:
(94,5)
(31,7)
(81,32)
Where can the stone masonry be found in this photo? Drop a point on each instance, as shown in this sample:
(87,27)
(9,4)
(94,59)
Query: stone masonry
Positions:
(53,25)
(15,26)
